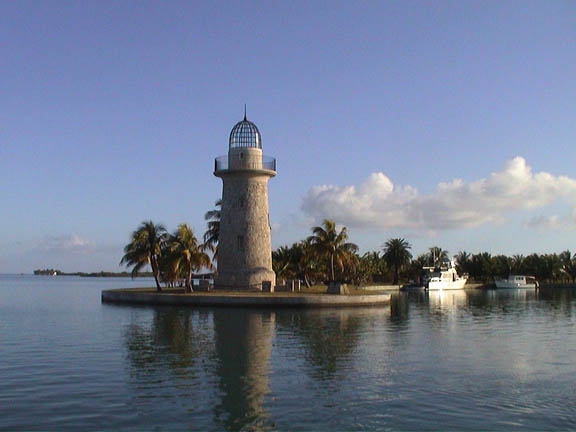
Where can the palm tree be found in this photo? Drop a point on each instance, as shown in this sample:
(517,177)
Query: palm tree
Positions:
(169,271)
(332,245)
(304,263)
(481,267)
(397,254)
(186,254)
(145,248)
(282,262)
(463,262)
(372,267)
(416,267)
(569,264)
(212,234)
(437,255)
(501,266)
(517,262)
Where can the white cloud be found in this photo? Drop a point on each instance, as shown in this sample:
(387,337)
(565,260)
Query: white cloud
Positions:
(378,203)
(554,222)
(67,243)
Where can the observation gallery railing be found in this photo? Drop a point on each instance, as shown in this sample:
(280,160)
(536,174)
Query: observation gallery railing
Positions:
(268,163)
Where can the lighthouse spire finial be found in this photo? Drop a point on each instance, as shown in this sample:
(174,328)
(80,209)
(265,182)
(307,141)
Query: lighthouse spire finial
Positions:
(245,112)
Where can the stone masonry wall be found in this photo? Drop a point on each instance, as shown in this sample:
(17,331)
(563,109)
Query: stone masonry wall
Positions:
(244,252)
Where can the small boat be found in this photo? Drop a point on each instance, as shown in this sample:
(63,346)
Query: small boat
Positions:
(444,277)
(517,281)
(412,286)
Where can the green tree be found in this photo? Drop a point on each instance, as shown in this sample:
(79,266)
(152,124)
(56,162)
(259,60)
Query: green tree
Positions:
(569,264)
(501,266)
(186,255)
(551,266)
(170,273)
(307,266)
(415,269)
(212,234)
(371,268)
(297,262)
(145,248)
(282,262)
(463,262)
(397,254)
(437,255)
(516,263)
(330,244)
(531,265)
(481,267)
(544,267)
(350,270)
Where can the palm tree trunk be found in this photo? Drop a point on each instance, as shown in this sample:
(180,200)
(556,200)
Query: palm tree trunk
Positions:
(395,274)
(332,266)
(189,280)
(154,265)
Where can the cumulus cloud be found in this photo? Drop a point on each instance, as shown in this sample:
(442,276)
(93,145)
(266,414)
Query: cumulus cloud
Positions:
(67,243)
(554,222)
(378,203)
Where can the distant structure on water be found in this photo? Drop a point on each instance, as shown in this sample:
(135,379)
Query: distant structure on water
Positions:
(244,252)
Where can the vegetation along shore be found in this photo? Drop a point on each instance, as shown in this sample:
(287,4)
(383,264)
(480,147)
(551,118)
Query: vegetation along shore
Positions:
(176,258)
(328,255)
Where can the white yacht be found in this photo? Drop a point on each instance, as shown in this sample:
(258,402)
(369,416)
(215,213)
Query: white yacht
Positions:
(444,277)
(516,281)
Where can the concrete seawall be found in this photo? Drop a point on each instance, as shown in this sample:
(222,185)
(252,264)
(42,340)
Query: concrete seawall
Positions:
(139,296)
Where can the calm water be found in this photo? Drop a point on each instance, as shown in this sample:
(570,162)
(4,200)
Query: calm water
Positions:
(464,360)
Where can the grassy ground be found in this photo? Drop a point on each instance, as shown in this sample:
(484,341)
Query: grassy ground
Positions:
(313,290)
(318,289)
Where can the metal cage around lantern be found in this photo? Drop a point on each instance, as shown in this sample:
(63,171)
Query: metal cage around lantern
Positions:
(245,134)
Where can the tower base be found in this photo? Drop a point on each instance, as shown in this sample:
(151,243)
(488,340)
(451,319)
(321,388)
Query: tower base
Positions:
(244,280)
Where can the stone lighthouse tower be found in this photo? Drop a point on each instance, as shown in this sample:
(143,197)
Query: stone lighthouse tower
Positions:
(244,254)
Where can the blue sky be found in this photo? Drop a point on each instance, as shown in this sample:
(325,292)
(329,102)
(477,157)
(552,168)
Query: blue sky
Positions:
(112,113)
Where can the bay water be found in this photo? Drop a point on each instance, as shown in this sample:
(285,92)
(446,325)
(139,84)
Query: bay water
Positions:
(462,360)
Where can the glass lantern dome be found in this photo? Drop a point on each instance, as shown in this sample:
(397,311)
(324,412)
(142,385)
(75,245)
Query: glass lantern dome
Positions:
(245,134)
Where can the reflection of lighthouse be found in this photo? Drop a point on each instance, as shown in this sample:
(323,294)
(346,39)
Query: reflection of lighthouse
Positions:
(244,253)
(243,344)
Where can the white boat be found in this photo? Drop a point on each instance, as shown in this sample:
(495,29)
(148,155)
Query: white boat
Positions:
(516,281)
(444,277)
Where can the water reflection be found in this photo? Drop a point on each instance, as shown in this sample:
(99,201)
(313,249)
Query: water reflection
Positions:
(216,364)
(560,301)
(401,305)
(233,347)
(328,337)
(184,346)
(441,306)
(447,302)
(174,341)
(495,361)
(243,342)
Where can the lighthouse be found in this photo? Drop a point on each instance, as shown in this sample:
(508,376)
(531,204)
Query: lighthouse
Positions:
(244,252)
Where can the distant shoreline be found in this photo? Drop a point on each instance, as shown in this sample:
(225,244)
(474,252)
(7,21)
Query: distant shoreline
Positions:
(52,272)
